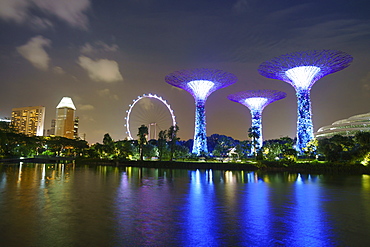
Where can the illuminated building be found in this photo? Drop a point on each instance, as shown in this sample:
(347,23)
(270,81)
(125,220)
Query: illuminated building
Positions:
(256,101)
(200,83)
(345,127)
(65,118)
(29,120)
(302,70)
(75,128)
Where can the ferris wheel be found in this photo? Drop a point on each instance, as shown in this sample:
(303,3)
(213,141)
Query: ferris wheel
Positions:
(152,111)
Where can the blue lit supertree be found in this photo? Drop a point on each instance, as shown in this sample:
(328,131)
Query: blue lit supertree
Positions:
(302,70)
(200,83)
(256,101)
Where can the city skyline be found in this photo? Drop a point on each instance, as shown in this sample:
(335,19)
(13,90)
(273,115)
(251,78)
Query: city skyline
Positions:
(105,54)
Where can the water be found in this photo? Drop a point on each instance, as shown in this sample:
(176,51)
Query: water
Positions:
(68,205)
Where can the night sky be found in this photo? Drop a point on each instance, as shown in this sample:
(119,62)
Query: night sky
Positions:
(103,54)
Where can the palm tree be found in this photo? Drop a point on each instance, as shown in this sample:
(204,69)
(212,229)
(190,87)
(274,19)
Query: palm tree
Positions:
(172,136)
(162,136)
(142,134)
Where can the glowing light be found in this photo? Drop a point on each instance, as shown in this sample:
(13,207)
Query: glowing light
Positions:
(302,70)
(66,102)
(303,76)
(201,88)
(256,102)
(200,83)
(154,96)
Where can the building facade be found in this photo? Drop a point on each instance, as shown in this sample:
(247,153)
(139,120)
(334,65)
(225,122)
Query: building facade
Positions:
(65,118)
(29,120)
(346,127)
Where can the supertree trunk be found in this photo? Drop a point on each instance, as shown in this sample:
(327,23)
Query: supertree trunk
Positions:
(257,124)
(304,121)
(200,135)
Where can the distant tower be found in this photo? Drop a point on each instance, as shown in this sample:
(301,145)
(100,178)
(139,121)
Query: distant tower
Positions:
(256,101)
(29,120)
(75,128)
(302,70)
(200,83)
(65,118)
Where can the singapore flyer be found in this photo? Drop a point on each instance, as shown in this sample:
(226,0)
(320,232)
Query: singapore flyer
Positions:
(152,111)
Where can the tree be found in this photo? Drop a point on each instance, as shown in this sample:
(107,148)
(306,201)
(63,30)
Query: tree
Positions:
(142,134)
(108,145)
(172,136)
(162,143)
(362,140)
(337,148)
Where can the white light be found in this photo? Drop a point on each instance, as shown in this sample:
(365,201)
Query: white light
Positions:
(66,102)
(201,88)
(302,76)
(256,103)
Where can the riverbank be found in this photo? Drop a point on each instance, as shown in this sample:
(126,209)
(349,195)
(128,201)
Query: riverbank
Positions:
(307,167)
(313,167)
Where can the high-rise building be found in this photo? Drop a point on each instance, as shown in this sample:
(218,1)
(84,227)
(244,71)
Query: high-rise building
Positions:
(65,118)
(75,128)
(29,120)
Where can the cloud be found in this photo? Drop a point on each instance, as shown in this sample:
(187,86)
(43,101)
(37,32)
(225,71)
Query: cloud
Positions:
(58,70)
(15,10)
(241,6)
(35,53)
(106,93)
(85,107)
(98,47)
(71,12)
(146,103)
(366,82)
(101,70)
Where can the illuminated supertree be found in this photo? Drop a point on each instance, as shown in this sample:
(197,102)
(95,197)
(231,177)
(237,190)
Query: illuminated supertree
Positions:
(302,70)
(200,83)
(256,101)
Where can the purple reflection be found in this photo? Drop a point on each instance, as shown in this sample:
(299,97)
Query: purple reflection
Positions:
(201,226)
(256,220)
(310,224)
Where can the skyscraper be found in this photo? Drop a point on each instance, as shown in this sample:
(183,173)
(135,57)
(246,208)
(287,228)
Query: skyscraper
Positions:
(65,118)
(29,120)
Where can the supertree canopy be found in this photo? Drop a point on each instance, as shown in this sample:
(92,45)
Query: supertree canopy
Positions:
(256,101)
(200,83)
(302,70)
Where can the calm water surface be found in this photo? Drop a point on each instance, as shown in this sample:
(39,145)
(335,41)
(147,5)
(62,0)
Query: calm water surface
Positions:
(68,205)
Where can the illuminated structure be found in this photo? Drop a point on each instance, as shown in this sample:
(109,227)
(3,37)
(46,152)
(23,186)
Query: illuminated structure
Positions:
(256,101)
(65,118)
(150,121)
(29,120)
(302,70)
(345,127)
(200,83)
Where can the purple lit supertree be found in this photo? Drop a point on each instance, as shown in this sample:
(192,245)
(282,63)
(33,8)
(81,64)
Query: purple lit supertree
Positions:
(256,101)
(302,70)
(200,83)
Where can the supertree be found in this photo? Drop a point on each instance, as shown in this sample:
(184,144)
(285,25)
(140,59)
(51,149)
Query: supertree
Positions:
(256,101)
(302,70)
(200,83)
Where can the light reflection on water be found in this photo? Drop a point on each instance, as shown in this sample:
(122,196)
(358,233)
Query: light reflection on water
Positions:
(68,205)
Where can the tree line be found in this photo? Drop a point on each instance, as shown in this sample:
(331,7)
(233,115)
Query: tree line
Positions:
(168,146)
